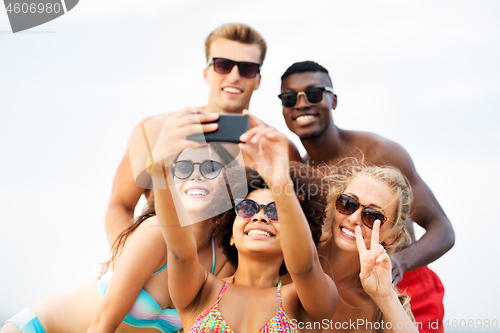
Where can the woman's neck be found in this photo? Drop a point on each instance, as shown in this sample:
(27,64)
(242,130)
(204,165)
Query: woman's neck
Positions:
(258,272)
(340,265)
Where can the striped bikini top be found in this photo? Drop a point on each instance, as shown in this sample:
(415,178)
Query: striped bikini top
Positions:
(212,321)
(146,312)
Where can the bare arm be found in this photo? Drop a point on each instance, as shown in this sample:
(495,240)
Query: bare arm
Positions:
(426,212)
(143,254)
(186,275)
(316,291)
(124,197)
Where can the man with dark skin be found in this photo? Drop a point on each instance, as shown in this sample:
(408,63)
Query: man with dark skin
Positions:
(325,143)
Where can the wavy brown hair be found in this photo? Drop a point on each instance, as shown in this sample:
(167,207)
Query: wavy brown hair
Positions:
(310,190)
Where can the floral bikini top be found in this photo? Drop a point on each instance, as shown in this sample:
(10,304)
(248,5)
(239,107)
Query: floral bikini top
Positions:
(212,321)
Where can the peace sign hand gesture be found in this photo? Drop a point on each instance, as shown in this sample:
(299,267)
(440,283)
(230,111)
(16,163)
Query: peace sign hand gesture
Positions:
(376,271)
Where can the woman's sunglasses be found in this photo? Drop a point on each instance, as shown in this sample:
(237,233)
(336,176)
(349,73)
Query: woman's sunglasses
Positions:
(348,205)
(313,96)
(209,169)
(247,69)
(247,209)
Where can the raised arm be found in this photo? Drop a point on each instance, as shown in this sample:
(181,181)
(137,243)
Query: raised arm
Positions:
(426,212)
(186,275)
(316,291)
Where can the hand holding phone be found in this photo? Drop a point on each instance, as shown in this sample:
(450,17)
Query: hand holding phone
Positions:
(231,127)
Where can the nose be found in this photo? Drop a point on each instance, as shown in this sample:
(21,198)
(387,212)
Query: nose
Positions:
(261,216)
(196,175)
(302,102)
(355,218)
(234,74)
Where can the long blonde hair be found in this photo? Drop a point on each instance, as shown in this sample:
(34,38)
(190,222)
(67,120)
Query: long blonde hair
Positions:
(342,175)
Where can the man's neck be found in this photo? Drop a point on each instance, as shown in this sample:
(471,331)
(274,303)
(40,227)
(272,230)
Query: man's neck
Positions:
(329,147)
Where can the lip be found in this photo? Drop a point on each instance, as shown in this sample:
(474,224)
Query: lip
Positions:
(247,230)
(346,235)
(232,87)
(197,188)
(295,116)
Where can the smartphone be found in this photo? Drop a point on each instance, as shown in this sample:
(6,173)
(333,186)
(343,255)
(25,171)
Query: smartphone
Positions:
(231,127)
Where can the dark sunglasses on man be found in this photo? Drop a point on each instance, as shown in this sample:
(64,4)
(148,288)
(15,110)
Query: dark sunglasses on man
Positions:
(313,96)
(247,69)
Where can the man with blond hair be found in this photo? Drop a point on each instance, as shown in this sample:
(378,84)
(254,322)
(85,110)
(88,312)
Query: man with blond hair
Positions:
(235,53)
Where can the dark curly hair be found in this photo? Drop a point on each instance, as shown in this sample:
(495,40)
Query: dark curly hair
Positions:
(310,188)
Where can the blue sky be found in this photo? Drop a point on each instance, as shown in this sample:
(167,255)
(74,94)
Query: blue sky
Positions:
(424,74)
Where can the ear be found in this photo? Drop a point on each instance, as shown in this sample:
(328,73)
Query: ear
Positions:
(257,82)
(205,75)
(334,102)
(231,241)
(389,240)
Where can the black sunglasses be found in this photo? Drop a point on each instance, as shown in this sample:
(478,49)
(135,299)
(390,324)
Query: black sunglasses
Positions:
(313,96)
(247,69)
(209,169)
(348,205)
(247,209)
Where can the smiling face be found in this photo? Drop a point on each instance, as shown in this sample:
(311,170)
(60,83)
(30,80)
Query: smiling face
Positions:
(307,120)
(230,93)
(371,193)
(257,234)
(195,191)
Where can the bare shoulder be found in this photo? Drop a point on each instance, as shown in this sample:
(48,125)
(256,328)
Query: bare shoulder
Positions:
(149,232)
(380,151)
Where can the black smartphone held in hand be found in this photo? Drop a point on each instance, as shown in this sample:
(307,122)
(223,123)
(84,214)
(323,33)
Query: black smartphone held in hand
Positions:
(231,127)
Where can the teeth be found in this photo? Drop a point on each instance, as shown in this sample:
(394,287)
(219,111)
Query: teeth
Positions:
(304,118)
(348,232)
(258,232)
(196,191)
(232,90)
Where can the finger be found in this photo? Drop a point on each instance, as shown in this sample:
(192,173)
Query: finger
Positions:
(185,111)
(360,242)
(190,119)
(262,133)
(250,133)
(208,117)
(277,136)
(375,235)
(197,129)
(253,120)
(383,257)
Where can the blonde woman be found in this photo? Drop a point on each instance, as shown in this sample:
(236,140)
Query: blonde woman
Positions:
(366,214)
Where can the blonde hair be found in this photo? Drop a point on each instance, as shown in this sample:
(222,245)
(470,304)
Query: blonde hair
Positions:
(341,176)
(238,32)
